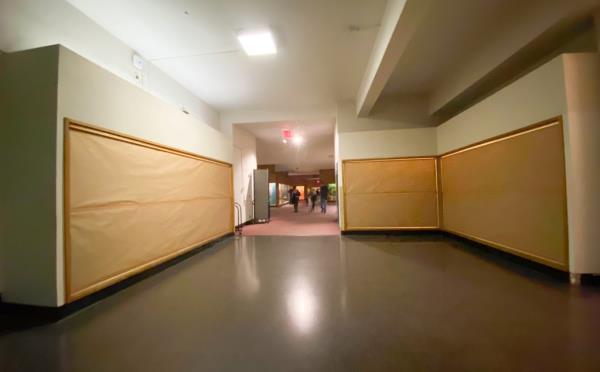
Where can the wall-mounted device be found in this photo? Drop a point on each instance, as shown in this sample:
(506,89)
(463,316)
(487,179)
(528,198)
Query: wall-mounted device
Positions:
(138,62)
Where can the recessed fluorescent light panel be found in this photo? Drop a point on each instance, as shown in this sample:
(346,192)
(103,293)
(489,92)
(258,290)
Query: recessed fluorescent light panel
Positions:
(256,43)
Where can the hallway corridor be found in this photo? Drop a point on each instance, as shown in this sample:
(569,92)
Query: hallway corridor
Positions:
(326,304)
(304,223)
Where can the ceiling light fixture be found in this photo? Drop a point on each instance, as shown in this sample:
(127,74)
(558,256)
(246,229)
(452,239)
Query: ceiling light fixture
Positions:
(284,140)
(256,43)
(297,140)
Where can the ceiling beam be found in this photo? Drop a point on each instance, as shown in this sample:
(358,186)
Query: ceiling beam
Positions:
(520,34)
(399,22)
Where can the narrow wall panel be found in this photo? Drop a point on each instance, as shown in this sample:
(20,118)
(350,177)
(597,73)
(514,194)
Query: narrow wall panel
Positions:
(388,194)
(510,193)
(132,205)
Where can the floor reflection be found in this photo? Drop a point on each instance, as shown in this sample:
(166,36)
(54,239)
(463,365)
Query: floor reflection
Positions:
(302,304)
(245,263)
(326,304)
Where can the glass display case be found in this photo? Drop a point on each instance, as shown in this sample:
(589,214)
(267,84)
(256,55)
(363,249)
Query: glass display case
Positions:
(284,195)
(273,194)
(332,192)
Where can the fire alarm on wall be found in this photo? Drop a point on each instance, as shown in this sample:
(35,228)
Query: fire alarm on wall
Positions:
(138,62)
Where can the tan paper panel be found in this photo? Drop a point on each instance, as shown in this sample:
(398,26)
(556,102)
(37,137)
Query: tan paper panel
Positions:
(109,241)
(405,210)
(131,206)
(511,193)
(390,193)
(399,175)
(104,170)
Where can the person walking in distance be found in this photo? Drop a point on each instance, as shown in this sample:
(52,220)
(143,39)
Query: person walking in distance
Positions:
(306,195)
(295,198)
(324,192)
(313,199)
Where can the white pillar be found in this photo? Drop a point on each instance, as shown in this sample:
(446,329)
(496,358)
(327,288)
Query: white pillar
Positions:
(582,81)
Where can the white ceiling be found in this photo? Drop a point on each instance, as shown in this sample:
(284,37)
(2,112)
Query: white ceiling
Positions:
(315,153)
(320,61)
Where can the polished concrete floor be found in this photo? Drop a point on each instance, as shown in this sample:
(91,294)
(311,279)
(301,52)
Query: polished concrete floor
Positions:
(365,303)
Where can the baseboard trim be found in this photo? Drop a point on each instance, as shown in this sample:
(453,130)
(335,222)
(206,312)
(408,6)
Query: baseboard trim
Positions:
(403,232)
(496,254)
(479,248)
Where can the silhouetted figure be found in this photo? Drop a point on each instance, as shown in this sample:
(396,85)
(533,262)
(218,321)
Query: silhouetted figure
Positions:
(295,198)
(324,192)
(313,199)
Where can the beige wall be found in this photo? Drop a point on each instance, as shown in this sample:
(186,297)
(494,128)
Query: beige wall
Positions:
(92,94)
(35,23)
(375,137)
(28,83)
(244,163)
(388,143)
(55,83)
(537,96)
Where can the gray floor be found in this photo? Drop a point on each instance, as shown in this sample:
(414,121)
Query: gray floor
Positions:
(325,304)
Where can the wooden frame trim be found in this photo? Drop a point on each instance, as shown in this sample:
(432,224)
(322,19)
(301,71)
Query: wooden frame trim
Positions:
(370,160)
(390,228)
(440,191)
(345,214)
(514,133)
(122,137)
(403,228)
(515,251)
(66,211)
(232,201)
(70,124)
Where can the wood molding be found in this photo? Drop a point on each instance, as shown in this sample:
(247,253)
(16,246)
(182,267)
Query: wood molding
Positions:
(505,248)
(66,211)
(93,129)
(504,136)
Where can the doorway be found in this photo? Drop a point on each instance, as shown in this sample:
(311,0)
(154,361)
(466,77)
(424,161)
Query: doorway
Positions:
(300,158)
